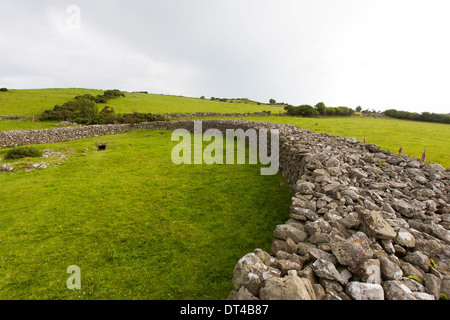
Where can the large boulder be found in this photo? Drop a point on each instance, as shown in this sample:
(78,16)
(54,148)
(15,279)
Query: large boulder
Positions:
(291,287)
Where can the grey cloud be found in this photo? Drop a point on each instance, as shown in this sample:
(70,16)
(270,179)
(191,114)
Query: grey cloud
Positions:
(349,52)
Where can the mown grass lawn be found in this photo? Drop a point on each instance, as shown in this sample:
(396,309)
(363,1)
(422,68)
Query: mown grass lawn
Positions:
(138,226)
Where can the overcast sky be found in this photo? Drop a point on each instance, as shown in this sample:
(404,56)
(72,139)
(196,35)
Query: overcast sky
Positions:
(374,53)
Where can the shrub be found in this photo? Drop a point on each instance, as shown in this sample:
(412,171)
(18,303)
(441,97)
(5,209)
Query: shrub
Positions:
(80,121)
(22,152)
(49,115)
(129,118)
(344,111)
(425,116)
(107,110)
(100,99)
(303,110)
(83,107)
(321,108)
(86,96)
(3,90)
(86,109)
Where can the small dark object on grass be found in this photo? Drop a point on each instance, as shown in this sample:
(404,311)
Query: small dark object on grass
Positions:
(101,146)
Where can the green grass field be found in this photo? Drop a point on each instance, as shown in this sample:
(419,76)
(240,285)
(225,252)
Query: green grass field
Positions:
(138,226)
(35,101)
(162,104)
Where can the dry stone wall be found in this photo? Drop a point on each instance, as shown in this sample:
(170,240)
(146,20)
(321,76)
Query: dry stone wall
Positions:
(364,224)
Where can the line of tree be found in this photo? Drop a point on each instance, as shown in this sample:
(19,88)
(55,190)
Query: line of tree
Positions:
(319,109)
(424,116)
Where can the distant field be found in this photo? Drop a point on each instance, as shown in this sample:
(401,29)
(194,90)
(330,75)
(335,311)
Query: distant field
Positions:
(35,101)
(162,104)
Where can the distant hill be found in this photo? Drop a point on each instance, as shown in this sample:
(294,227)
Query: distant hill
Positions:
(35,101)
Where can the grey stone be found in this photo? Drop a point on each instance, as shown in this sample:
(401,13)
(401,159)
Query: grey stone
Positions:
(405,239)
(352,194)
(370,271)
(319,173)
(320,225)
(358,173)
(353,252)
(319,291)
(364,291)
(319,238)
(320,254)
(403,207)
(288,246)
(286,231)
(305,188)
(418,259)
(389,269)
(351,220)
(441,233)
(251,272)
(397,290)
(445,285)
(286,265)
(6,167)
(432,285)
(423,296)
(242,294)
(327,270)
(290,287)
(266,258)
(332,162)
(411,270)
(332,187)
(376,226)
